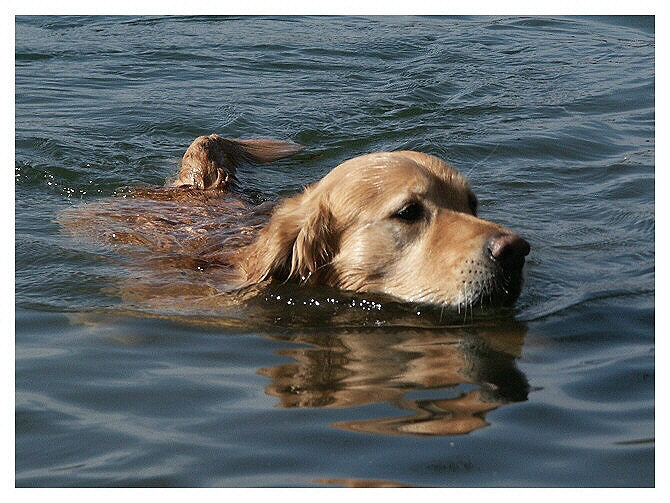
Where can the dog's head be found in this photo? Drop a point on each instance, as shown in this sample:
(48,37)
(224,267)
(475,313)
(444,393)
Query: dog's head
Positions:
(399,223)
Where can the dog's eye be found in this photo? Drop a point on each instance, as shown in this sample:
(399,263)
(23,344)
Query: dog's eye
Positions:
(411,212)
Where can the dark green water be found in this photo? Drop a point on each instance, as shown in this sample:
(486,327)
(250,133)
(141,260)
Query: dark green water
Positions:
(551,119)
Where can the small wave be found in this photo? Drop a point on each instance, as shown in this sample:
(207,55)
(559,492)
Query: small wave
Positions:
(32,56)
(567,301)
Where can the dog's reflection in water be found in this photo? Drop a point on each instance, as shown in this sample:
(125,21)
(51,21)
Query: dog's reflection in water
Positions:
(443,379)
(460,375)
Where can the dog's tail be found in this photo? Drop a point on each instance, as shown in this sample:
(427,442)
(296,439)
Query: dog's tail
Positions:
(211,161)
(261,151)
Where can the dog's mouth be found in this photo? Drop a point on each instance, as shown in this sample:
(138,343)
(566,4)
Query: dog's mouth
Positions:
(495,277)
(493,286)
(481,284)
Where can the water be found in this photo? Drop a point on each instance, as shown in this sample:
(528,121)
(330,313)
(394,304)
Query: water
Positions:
(553,121)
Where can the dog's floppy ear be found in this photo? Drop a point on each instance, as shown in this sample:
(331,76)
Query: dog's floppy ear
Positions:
(297,243)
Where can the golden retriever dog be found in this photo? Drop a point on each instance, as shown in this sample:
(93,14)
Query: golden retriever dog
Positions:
(399,223)
(402,223)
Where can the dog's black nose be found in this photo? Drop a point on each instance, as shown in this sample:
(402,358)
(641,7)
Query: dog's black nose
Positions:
(508,250)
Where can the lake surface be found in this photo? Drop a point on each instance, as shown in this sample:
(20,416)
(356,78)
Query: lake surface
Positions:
(553,122)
